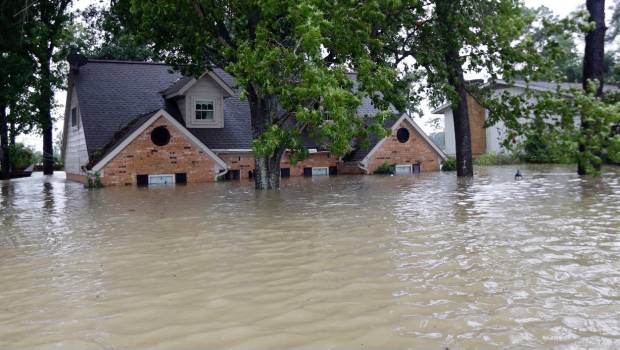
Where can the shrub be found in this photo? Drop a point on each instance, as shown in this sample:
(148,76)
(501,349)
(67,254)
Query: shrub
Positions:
(21,156)
(548,147)
(385,169)
(496,159)
(93,180)
(449,164)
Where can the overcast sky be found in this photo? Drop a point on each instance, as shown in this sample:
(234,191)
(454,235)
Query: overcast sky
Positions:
(561,7)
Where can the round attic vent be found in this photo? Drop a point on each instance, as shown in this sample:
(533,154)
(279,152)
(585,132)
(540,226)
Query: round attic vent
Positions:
(160,136)
(402,135)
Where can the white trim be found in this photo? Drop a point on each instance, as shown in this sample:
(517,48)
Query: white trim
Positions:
(442,109)
(161,113)
(425,137)
(191,83)
(234,150)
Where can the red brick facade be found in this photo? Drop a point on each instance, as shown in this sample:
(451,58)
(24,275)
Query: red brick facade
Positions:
(181,155)
(142,156)
(477,116)
(244,162)
(415,151)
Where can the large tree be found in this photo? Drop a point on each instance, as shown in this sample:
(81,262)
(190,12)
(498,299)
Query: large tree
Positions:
(291,59)
(453,38)
(49,26)
(15,73)
(593,72)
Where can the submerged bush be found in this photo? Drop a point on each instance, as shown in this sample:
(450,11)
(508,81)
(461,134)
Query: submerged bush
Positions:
(93,180)
(21,156)
(449,164)
(385,169)
(492,158)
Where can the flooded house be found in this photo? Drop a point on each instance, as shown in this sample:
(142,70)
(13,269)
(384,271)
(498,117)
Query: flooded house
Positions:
(140,123)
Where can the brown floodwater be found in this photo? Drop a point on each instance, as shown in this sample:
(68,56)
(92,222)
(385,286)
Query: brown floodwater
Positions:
(422,261)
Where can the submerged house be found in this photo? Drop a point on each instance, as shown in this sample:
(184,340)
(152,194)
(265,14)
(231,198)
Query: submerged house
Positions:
(490,139)
(138,123)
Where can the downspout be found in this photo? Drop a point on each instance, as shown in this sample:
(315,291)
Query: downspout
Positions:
(363,167)
(221,173)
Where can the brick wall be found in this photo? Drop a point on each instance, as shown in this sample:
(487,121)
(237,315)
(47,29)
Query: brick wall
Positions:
(143,157)
(244,162)
(477,116)
(76,178)
(415,151)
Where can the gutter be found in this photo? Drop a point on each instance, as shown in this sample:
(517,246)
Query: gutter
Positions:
(221,173)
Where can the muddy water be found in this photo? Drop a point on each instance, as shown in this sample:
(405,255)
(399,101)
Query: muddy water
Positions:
(340,263)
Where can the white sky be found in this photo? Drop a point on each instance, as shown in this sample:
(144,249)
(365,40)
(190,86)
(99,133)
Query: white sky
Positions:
(560,7)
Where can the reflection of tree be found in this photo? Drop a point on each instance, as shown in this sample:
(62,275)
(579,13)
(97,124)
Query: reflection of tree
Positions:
(463,203)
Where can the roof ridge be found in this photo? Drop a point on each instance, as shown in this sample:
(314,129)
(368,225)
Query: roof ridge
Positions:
(93,60)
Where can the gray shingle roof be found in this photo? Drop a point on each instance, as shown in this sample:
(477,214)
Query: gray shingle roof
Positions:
(114,95)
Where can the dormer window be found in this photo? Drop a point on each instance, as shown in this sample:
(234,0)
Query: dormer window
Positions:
(204,110)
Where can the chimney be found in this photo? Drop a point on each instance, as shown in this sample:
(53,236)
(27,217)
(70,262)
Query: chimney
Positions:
(76,61)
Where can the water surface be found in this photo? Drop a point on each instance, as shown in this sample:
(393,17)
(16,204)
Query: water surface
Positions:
(346,262)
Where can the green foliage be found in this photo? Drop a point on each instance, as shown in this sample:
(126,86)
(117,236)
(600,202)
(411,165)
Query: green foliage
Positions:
(385,169)
(613,154)
(492,158)
(21,157)
(93,180)
(449,164)
(291,59)
(548,147)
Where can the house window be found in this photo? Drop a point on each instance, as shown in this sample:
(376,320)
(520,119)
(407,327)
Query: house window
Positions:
(163,179)
(74,121)
(402,135)
(285,172)
(233,175)
(403,169)
(204,110)
(320,171)
(180,178)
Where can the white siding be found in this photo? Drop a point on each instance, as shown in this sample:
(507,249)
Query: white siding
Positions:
(449,133)
(207,89)
(76,154)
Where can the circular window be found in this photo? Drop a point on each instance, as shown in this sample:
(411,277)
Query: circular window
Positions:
(160,136)
(402,135)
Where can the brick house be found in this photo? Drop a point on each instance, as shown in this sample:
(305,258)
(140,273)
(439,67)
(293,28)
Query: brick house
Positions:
(138,123)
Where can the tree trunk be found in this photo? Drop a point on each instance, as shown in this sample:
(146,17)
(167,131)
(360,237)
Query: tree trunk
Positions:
(4,144)
(267,167)
(12,133)
(593,70)
(462,133)
(46,116)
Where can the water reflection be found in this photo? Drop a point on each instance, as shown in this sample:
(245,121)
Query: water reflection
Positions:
(425,261)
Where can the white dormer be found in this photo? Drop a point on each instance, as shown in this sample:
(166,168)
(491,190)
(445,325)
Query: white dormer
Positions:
(201,101)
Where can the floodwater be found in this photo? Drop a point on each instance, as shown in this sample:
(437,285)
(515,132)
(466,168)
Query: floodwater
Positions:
(423,262)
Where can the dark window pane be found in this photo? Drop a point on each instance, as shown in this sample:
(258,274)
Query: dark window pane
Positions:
(285,172)
(180,178)
(142,180)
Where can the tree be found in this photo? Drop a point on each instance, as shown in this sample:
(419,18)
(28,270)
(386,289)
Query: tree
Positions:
(49,26)
(449,38)
(593,71)
(290,59)
(15,73)
(105,34)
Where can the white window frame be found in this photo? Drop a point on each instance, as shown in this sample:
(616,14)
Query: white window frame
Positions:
(161,175)
(204,102)
(320,171)
(403,166)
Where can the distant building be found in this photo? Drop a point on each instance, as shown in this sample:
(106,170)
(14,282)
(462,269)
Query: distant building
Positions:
(489,140)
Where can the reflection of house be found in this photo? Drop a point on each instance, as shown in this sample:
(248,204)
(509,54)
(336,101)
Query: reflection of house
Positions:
(140,123)
(489,140)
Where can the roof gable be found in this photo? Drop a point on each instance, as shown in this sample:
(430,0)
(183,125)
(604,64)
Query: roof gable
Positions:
(180,87)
